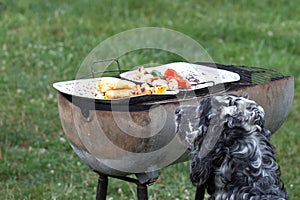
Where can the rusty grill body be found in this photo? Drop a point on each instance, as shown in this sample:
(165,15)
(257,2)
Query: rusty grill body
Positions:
(94,131)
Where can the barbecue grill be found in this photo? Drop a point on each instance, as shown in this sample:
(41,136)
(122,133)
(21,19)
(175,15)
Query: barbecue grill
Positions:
(94,128)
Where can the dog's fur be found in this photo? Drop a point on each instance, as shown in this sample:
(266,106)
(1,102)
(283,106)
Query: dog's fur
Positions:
(232,156)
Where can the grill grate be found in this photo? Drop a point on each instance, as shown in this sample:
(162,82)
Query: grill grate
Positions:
(249,76)
(256,75)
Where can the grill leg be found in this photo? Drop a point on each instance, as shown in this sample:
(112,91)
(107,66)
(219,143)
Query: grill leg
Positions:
(102,187)
(142,192)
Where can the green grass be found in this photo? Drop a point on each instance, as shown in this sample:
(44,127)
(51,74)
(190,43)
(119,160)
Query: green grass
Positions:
(44,42)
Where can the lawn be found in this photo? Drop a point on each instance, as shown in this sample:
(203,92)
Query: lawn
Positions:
(45,42)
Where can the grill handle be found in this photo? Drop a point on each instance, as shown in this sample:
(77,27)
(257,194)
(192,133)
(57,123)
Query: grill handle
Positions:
(93,72)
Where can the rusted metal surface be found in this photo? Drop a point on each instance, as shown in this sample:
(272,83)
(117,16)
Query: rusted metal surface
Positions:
(275,97)
(67,120)
(104,135)
(120,135)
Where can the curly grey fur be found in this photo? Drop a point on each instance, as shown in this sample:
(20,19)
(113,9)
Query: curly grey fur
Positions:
(231,152)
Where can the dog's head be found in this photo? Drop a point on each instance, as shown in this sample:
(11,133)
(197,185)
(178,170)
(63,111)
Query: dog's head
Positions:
(202,126)
(216,113)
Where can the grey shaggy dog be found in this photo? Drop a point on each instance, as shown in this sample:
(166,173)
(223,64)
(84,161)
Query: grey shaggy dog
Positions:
(232,157)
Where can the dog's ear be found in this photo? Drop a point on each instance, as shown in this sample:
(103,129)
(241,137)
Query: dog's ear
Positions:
(214,128)
(212,136)
(204,107)
(203,154)
(203,159)
(200,169)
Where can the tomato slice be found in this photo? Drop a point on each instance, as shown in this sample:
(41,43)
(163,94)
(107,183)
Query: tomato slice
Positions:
(183,84)
(172,74)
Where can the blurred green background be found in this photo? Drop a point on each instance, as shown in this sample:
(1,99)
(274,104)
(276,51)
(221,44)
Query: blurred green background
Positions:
(42,42)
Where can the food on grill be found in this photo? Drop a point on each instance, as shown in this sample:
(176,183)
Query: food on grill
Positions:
(159,90)
(113,88)
(172,74)
(119,93)
(141,89)
(173,84)
(111,83)
(159,82)
(141,71)
(146,89)
(148,78)
(157,73)
(171,79)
